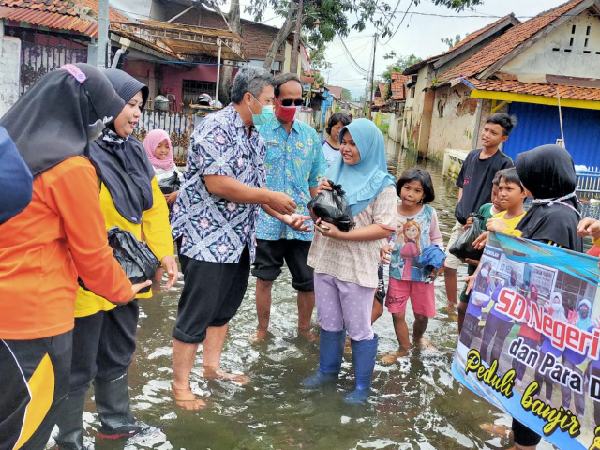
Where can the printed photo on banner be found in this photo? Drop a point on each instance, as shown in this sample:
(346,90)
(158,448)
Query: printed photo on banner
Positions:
(530,342)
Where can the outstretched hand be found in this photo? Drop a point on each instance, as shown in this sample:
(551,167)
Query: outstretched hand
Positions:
(480,241)
(296,221)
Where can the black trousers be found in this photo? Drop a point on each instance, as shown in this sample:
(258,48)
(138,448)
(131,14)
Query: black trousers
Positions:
(103,345)
(34,380)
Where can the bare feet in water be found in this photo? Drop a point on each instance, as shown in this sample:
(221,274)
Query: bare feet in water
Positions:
(211,373)
(259,337)
(308,335)
(424,344)
(186,399)
(500,431)
(391,358)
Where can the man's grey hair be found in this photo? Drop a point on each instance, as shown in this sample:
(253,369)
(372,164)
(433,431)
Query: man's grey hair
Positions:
(250,79)
(283,78)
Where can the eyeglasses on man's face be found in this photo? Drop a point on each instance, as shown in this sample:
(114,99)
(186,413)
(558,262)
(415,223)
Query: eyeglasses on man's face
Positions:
(292,101)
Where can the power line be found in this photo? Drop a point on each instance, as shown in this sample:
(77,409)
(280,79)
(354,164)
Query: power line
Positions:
(356,65)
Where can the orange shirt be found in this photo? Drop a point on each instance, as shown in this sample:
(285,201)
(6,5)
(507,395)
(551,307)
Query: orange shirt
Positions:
(58,237)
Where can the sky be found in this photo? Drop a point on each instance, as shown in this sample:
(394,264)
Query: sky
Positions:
(418,34)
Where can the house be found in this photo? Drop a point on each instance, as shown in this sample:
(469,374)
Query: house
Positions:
(418,127)
(398,94)
(544,71)
(256,38)
(37,36)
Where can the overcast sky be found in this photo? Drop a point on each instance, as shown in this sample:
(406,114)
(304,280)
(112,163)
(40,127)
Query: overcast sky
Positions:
(418,34)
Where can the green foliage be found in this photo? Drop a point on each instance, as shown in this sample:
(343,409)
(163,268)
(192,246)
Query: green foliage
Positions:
(346,94)
(324,19)
(402,63)
(451,42)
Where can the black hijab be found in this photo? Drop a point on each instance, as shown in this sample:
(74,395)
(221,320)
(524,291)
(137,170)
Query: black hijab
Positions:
(53,120)
(549,173)
(121,163)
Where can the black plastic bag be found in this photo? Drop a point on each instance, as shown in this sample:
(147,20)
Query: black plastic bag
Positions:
(331,206)
(169,185)
(463,247)
(136,259)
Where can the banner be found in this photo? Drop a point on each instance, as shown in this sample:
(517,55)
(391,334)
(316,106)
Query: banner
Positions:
(530,342)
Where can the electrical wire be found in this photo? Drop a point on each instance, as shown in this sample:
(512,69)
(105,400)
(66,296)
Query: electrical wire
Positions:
(354,63)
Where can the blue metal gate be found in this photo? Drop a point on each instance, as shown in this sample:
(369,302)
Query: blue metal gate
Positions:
(540,124)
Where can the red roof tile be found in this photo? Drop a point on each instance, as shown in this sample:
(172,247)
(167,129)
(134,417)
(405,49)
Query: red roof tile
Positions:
(336,91)
(67,15)
(506,43)
(539,89)
(469,37)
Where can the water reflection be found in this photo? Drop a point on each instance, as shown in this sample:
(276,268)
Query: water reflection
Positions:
(416,403)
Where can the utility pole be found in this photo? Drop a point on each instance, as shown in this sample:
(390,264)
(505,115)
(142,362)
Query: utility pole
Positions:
(296,41)
(103,30)
(372,81)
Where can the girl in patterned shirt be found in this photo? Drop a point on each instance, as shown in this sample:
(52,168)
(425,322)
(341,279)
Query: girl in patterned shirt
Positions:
(418,230)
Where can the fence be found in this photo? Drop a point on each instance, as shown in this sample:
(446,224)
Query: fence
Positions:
(39,59)
(179,126)
(588,192)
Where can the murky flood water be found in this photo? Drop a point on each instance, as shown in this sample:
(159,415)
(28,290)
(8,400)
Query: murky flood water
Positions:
(415,403)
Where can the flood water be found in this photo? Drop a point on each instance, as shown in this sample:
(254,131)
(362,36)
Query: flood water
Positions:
(416,404)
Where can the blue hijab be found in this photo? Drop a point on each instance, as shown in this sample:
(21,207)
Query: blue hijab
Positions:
(364,181)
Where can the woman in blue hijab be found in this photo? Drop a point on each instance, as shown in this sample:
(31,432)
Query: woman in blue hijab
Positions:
(345,263)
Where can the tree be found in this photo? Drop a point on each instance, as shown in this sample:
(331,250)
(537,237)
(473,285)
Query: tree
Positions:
(401,64)
(322,20)
(346,94)
(450,42)
(233,20)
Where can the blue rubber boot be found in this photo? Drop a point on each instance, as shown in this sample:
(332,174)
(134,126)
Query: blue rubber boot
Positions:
(363,360)
(331,350)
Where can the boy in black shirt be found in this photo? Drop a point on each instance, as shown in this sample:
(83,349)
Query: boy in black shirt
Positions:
(475,187)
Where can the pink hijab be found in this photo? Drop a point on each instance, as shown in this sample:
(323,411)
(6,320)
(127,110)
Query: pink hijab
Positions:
(151,141)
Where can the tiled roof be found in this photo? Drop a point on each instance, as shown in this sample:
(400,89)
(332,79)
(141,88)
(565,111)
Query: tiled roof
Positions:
(398,86)
(506,43)
(469,37)
(336,91)
(67,15)
(539,89)
(51,20)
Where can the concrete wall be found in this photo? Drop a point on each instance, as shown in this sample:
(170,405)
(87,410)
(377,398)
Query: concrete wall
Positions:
(453,121)
(10,70)
(413,111)
(562,52)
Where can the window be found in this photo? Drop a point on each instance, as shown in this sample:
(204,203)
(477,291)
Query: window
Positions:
(192,90)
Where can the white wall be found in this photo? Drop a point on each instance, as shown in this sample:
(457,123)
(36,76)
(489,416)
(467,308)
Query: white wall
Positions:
(413,111)
(453,121)
(561,52)
(10,71)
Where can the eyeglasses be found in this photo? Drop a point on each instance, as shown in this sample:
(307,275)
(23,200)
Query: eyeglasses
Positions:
(290,101)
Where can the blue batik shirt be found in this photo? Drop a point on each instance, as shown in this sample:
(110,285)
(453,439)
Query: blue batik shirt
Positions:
(294,163)
(212,228)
